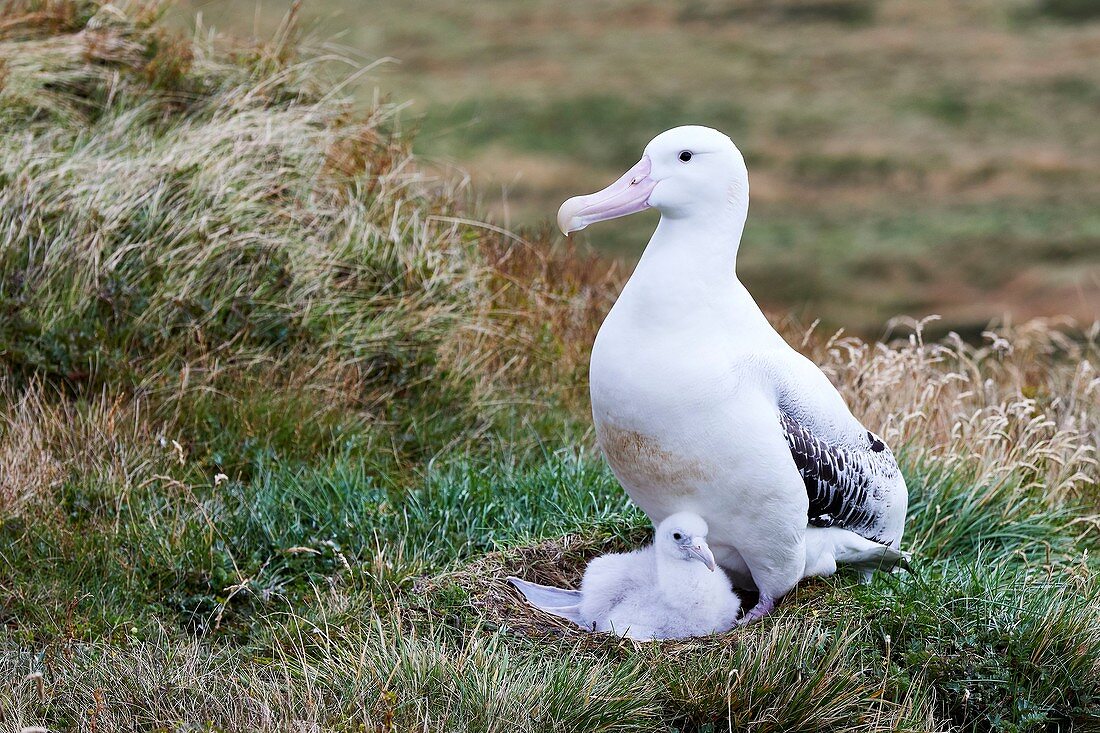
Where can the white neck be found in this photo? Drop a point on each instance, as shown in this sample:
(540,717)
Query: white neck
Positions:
(678,578)
(687,274)
(710,255)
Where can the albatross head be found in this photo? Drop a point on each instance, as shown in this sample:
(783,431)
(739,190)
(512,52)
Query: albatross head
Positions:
(683,536)
(686,171)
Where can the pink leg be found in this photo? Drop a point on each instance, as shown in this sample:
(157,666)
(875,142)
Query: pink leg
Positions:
(762,608)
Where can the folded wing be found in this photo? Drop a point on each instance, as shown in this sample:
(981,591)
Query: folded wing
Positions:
(849,484)
(555,601)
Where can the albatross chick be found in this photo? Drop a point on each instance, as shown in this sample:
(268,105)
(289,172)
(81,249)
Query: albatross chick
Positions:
(668,590)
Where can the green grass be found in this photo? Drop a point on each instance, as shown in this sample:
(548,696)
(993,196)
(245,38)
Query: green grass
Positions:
(1067,10)
(845,12)
(167,550)
(997,630)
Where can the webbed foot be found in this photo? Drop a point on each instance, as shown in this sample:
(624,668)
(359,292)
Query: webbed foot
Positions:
(762,608)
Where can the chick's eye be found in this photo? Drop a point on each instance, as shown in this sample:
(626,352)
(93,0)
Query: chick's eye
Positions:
(677,536)
(685,155)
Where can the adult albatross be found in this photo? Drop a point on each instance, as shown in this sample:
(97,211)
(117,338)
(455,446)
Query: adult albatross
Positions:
(699,405)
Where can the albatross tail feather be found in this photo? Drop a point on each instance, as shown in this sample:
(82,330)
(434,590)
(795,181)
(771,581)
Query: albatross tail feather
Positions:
(827,547)
(555,601)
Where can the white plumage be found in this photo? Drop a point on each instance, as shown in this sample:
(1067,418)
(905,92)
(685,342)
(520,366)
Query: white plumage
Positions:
(699,405)
(667,590)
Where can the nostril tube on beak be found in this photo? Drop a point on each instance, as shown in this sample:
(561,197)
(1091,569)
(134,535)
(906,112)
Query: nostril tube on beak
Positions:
(625,196)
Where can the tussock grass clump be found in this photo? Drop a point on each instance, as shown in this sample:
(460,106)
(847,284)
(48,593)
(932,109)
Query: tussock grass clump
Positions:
(223,236)
(165,208)
(179,219)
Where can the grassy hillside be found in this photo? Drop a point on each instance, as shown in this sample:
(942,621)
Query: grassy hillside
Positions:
(277,416)
(906,156)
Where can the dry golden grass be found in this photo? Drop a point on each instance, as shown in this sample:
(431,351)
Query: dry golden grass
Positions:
(1029,398)
(46,439)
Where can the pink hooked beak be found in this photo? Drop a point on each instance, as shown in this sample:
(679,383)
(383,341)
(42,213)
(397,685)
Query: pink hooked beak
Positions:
(625,196)
(701,552)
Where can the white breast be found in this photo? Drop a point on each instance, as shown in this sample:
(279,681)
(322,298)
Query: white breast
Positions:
(659,419)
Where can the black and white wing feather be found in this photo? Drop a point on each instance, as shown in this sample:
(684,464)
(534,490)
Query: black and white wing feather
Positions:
(849,485)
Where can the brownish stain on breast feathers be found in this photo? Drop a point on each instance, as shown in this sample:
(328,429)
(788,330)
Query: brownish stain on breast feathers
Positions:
(640,461)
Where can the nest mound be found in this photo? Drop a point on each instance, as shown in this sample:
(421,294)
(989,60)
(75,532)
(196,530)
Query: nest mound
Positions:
(481,589)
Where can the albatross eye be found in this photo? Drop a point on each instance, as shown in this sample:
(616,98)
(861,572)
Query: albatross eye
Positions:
(685,155)
(677,536)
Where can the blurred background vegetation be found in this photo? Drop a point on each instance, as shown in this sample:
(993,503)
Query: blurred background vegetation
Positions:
(906,156)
